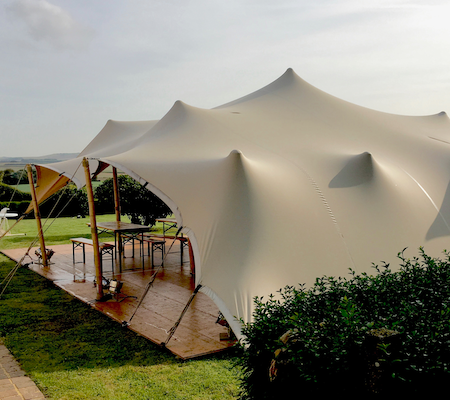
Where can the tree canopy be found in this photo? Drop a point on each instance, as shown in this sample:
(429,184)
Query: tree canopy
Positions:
(13,178)
(139,204)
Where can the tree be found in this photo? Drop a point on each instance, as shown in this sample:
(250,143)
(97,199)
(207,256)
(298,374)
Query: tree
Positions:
(5,175)
(139,204)
(13,178)
(68,201)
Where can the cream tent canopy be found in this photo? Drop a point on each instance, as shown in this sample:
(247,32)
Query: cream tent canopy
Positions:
(288,184)
(115,137)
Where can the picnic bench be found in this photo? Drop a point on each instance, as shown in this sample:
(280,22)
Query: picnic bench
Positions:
(105,248)
(156,243)
(184,242)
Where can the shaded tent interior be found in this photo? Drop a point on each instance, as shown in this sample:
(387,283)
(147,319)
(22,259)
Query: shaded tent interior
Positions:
(284,185)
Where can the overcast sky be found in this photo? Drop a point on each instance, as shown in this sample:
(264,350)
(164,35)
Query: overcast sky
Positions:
(67,66)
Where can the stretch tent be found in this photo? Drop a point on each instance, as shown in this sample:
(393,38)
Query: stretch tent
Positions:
(285,185)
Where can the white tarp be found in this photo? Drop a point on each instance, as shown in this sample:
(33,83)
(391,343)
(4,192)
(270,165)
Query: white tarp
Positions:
(290,183)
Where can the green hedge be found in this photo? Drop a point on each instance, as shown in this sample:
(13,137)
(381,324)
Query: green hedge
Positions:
(141,205)
(8,193)
(20,200)
(15,206)
(67,202)
(387,333)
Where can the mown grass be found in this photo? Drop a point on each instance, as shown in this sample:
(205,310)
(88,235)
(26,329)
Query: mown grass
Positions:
(56,231)
(74,352)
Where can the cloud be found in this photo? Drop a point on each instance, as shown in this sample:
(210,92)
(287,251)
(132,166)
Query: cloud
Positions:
(48,23)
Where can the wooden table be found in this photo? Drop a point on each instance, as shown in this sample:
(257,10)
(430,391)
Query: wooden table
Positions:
(170,222)
(119,229)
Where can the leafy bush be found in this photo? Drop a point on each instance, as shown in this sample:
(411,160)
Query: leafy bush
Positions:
(137,202)
(11,177)
(16,200)
(9,193)
(15,206)
(330,339)
(66,202)
(141,205)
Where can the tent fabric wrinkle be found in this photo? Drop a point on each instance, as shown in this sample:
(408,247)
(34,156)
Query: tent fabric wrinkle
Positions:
(285,185)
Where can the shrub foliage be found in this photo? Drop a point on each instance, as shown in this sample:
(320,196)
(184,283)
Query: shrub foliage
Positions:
(11,177)
(10,193)
(67,202)
(138,203)
(330,339)
(14,199)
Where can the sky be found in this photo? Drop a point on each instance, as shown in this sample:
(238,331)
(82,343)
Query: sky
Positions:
(68,66)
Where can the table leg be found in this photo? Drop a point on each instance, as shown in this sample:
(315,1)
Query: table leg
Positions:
(120,247)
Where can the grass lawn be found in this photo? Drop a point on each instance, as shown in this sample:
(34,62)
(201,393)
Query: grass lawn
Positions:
(74,352)
(56,231)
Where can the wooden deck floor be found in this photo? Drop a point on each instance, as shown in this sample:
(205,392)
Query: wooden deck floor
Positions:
(197,334)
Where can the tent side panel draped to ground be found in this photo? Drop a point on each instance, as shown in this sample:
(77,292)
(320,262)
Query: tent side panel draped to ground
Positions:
(287,184)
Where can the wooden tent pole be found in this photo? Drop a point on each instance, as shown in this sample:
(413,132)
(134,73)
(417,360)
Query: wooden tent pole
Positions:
(37,216)
(97,258)
(191,258)
(116,194)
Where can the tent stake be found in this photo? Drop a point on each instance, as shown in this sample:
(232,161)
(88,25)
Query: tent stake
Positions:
(97,258)
(37,216)
(174,328)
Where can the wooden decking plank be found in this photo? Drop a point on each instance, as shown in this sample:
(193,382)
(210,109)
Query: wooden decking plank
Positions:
(196,335)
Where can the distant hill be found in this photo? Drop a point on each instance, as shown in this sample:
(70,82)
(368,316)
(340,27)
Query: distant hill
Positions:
(52,158)
(60,156)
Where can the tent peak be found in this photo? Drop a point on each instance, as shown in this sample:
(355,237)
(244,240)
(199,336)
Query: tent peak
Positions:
(290,71)
(441,116)
(179,108)
(357,170)
(181,105)
(289,79)
(236,154)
